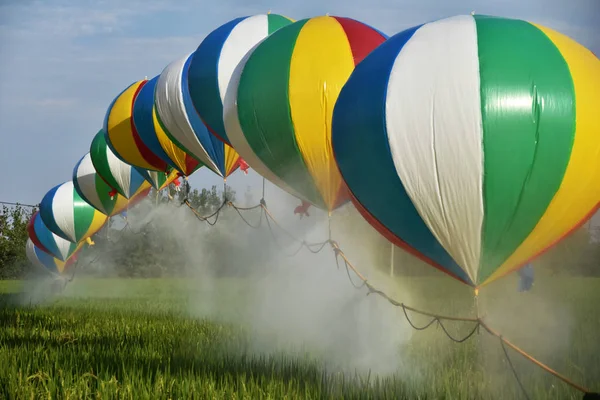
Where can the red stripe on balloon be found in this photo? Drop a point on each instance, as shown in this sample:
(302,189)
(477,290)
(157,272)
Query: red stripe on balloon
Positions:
(33,236)
(362,38)
(191,164)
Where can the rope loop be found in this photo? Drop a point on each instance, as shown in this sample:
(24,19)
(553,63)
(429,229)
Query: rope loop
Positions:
(436,319)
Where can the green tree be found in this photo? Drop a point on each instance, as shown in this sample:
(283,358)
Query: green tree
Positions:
(13,239)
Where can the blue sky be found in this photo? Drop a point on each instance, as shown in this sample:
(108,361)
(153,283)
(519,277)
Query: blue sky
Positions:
(62,62)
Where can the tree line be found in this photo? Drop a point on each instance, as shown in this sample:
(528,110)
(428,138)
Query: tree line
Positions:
(161,237)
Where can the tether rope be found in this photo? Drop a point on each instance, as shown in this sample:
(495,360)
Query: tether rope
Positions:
(479,321)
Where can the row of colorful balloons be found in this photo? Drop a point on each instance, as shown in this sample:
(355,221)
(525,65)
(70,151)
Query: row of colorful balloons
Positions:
(472,142)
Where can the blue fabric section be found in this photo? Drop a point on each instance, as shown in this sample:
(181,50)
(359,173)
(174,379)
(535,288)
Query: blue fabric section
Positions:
(45,237)
(45,259)
(144,123)
(213,146)
(47,214)
(204,69)
(360,133)
(137,178)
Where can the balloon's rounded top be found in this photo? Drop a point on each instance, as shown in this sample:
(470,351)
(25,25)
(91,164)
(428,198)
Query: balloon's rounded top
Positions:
(214,61)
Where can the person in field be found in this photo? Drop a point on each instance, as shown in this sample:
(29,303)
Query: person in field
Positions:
(526,277)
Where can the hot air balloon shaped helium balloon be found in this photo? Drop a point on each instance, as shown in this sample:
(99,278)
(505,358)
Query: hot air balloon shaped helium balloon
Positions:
(122,135)
(279,104)
(69,216)
(484,136)
(181,123)
(214,61)
(46,261)
(94,190)
(49,242)
(123,178)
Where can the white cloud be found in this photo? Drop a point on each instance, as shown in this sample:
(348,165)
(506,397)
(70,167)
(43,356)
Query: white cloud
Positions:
(64,61)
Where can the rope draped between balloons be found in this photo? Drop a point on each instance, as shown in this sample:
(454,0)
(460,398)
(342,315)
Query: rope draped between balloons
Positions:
(339,254)
(350,268)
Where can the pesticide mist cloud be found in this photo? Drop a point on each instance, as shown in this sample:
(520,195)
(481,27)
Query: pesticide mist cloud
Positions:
(294,303)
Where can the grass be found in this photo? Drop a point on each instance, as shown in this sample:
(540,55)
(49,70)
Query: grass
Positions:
(147,345)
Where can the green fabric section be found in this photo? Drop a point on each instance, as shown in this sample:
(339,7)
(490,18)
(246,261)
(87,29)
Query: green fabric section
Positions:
(83,215)
(528,110)
(264,111)
(156,180)
(103,191)
(98,151)
(277,22)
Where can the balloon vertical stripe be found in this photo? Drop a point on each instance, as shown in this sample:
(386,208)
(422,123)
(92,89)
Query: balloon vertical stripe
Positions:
(579,193)
(121,134)
(518,192)
(214,62)
(143,121)
(437,153)
(184,161)
(363,131)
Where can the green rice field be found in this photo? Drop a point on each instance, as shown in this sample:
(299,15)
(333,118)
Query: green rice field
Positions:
(152,339)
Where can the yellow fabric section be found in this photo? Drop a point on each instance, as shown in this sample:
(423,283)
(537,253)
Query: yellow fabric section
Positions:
(321,64)
(579,192)
(60,265)
(172,176)
(120,206)
(144,186)
(119,128)
(231,159)
(175,153)
(97,223)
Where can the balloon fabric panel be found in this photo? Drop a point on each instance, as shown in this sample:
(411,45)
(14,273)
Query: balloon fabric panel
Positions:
(363,131)
(578,196)
(528,130)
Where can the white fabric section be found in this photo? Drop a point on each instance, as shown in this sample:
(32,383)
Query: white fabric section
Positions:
(240,41)
(63,209)
(435,132)
(236,135)
(168,98)
(30,252)
(121,172)
(86,179)
(63,246)
(153,176)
